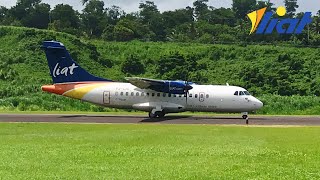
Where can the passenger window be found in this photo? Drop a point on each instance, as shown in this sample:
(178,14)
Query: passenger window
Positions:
(196,96)
(127,94)
(190,95)
(241,93)
(153,94)
(148,94)
(207,96)
(142,94)
(201,95)
(137,94)
(132,94)
(236,93)
(158,94)
(164,95)
(121,94)
(117,93)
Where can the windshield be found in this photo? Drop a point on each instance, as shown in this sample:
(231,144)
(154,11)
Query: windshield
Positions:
(242,93)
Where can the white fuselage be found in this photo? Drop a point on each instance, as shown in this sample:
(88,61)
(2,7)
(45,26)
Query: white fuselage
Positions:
(203,98)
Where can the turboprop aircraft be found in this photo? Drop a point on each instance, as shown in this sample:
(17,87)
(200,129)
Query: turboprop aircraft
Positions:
(157,97)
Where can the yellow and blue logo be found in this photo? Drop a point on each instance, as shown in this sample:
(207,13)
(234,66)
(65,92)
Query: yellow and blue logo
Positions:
(262,22)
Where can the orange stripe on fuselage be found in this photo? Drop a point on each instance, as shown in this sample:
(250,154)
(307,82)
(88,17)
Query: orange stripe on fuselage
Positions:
(60,89)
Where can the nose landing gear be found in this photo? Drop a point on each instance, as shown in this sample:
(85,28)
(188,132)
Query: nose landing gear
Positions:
(246,117)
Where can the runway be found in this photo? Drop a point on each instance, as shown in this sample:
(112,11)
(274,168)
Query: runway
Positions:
(215,120)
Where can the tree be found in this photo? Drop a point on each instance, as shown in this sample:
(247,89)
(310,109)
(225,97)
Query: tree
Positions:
(151,16)
(242,7)
(84,1)
(222,16)
(93,18)
(291,6)
(38,17)
(177,17)
(201,9)
(262,4)
(114,14)
(31,13)
(316,24)
(3,14)
(173,66)
(132,65)
(65,18)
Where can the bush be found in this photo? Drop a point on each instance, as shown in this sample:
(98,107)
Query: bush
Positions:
(132,65)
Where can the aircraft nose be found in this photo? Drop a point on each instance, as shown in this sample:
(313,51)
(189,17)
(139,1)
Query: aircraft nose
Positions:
(257,103)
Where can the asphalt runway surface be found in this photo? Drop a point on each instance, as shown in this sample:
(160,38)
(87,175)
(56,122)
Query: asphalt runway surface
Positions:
(216,120)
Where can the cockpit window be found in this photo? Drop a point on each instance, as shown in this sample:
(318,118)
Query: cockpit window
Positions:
(236,93)
(247,93)
(241,93)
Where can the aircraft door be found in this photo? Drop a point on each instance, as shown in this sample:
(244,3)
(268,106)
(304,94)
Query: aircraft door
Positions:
(201,97)
(106,97)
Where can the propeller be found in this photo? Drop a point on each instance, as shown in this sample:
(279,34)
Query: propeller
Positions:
(187,88)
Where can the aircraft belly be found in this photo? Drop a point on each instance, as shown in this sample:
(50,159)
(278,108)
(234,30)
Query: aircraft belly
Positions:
(166,106)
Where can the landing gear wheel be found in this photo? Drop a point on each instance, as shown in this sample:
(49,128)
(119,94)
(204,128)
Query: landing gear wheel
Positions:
(245,116)
(151,115)
(160,114)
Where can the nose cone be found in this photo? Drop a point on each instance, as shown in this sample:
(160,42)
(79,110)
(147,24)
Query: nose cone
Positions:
(257,103)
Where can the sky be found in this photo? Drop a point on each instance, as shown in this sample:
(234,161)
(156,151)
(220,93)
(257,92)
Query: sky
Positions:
(164,5)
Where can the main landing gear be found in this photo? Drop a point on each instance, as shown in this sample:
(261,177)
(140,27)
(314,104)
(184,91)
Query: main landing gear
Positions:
(158,114)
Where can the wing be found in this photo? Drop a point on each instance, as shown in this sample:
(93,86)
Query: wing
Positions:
(144,83)
(174,87)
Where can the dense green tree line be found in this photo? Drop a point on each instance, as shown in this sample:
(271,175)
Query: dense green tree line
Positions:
(200,23)
(285,78)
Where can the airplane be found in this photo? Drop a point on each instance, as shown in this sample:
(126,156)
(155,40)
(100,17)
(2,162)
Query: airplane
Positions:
(156,97)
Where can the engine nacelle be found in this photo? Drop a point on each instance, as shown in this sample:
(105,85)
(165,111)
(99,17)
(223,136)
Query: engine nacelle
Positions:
(173,87)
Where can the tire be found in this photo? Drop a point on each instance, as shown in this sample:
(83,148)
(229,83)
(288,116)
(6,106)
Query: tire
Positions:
(160,114)
(151,115)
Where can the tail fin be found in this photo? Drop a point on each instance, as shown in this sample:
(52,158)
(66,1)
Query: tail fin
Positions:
(62,67)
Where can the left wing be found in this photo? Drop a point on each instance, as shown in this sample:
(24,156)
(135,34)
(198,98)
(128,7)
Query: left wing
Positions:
(144,83)
(174,87)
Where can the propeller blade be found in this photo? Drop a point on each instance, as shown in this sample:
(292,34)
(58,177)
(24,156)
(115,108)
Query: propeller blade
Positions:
(186,94)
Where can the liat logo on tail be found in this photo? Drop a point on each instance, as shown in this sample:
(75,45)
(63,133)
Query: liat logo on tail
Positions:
(57,71)
(63,68)
(263,23)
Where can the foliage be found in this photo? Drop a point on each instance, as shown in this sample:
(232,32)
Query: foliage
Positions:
(132,65)
(266,71)
(291,6)
(200,23)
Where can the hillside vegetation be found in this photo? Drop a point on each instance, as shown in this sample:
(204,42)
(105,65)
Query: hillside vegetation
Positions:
(285,78)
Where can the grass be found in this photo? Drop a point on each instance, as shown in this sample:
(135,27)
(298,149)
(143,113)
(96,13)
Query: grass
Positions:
(139,113)
(90,151)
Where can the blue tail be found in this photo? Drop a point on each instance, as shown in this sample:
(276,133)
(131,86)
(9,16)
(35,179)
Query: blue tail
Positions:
(62,67)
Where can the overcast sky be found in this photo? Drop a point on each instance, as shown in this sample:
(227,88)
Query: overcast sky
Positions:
(163,5)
